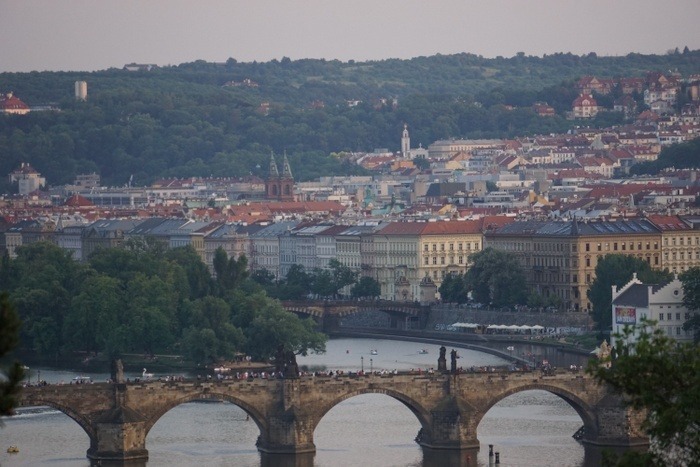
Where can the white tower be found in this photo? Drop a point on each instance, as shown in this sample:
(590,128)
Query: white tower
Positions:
(405,143)
(81,90)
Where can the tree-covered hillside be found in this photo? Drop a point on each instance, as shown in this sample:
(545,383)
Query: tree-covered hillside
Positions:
(183,121)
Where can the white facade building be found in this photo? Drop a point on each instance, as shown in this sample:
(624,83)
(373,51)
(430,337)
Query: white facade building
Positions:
(661,303)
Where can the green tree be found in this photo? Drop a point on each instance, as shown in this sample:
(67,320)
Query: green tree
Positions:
(496,278)
(322,283)
(366,287)
(10,378)
(225,339)
(198,276)
(454,289)
(297,284)
(421,163)
(230,272)
(617,269)
(45,278)
(691,299)
(274,326)
(93,315)
(661,376)
(342,275)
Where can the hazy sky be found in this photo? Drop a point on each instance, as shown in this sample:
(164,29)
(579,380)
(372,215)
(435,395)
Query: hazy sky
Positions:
(85,35)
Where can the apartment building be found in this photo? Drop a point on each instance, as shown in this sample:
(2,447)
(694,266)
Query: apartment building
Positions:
(559,257)
(680,241)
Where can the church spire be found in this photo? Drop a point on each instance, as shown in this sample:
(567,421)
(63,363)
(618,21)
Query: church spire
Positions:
(286,169)
(274,173)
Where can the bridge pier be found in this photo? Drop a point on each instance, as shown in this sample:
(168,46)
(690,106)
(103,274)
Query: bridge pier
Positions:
(452,427)
(617,425)
(290,429)
(118,441)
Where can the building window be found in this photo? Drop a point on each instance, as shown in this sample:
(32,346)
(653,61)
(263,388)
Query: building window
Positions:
(624,246)
(461,261)
(427,261)
(588,247)
(678,316)
(588,262)
(661,316)
(442,260)
(588,278)
(600,247)
(615,246)
(669,316)
(434,259)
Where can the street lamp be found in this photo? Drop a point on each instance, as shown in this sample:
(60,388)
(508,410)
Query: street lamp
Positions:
(362,364)
(370,366)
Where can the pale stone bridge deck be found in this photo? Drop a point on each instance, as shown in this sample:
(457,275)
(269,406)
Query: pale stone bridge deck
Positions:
(118,417)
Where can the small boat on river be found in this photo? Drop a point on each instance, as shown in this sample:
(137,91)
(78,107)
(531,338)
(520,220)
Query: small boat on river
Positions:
(373,352)
(423,351)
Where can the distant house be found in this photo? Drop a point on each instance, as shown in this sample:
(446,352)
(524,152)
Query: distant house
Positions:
(247,82)
(139,66)
(591,84)
(625,104)
(661,303)
(543,110)
(9,104)
(585,106)
(27,179)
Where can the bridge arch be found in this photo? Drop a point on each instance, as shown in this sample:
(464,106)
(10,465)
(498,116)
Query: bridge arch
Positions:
(254,413)
(582,408)
(417,409)
(84,422)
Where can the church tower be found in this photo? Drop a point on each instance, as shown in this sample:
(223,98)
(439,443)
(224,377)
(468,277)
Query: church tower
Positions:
(286,181)
(405,143)
(279,187)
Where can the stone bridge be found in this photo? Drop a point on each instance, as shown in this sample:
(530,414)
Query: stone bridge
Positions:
(118,417)
(328,312)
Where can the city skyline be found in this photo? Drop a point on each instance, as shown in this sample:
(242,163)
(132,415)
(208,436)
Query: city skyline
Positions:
(82,35)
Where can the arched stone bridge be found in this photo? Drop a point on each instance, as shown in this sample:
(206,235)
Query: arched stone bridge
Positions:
(118,417)
(328,312)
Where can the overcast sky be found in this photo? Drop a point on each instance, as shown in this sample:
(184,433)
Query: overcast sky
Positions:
(86,35)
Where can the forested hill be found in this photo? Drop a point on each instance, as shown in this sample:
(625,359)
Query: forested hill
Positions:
(182,120)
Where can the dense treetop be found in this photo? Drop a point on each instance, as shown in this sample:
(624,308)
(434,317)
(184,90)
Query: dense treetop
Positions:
(144,298)
(183,121)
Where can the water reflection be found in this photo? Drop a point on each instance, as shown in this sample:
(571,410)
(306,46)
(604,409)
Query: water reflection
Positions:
(287,460)
(440,458)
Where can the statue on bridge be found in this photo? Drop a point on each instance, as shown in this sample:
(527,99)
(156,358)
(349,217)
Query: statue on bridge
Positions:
(286,363)
(117,371)
(453,361)
(442,361)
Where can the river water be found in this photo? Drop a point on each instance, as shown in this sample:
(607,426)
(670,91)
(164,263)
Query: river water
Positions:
(527,429)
